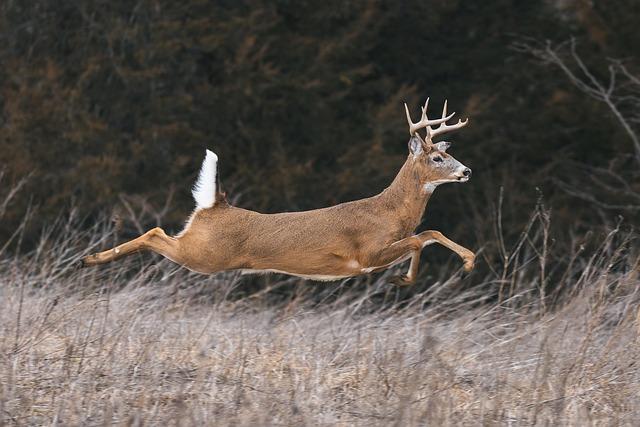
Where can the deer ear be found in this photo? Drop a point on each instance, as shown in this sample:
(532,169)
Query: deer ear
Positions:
(415,145)
(443,145)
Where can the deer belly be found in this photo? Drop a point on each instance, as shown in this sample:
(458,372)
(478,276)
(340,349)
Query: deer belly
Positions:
(335,271)
(318,277)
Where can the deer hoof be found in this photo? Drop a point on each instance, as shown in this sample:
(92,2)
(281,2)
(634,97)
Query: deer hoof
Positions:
(468,264)
(401,280)
(86,261)
(79,264)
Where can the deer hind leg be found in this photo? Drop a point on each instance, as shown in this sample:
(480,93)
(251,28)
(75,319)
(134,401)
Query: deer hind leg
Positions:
(155,240)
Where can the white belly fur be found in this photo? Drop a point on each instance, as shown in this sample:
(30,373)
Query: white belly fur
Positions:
(318,277)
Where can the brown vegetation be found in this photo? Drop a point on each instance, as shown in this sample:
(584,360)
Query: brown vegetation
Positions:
(145,342)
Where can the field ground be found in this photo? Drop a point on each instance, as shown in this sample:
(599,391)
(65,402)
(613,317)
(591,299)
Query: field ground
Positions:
(142,342)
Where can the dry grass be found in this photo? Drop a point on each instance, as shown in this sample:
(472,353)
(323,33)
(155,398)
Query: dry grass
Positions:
(142,342)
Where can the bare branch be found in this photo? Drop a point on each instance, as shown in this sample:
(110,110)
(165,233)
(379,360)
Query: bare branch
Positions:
(635,80)
(578,60)
(589,84)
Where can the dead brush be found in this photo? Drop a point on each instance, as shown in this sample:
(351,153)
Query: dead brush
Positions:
(541,339)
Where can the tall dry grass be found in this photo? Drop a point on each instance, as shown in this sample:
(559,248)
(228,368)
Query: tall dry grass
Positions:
(539,340)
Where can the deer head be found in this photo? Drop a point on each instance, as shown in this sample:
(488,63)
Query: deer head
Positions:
(432,164)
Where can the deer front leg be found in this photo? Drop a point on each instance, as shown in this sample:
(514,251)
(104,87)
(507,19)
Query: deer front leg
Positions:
(396,252)
(467,256)
(155,240)
(412,273)
(413,245)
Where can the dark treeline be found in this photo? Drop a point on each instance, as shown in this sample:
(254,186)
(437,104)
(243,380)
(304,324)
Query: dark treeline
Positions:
(302,100)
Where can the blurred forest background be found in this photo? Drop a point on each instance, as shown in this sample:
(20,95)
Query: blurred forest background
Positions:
(105,104)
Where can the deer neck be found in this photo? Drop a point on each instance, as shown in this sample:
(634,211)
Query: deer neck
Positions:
(407,196)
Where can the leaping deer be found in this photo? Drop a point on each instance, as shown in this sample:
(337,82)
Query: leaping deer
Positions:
(349,239)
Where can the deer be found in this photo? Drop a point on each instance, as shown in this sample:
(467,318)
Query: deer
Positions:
(332,243)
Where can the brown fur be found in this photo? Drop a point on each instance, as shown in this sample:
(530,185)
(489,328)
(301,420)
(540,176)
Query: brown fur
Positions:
(339,241)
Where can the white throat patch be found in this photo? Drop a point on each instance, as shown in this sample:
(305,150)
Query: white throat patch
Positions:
(429,187)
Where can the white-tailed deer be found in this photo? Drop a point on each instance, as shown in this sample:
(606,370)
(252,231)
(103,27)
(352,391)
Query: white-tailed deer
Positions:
(345,240)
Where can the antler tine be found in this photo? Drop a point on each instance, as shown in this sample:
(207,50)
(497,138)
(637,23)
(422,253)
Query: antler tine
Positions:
(444,127)
(406,110)
(424,120)
(424,110)
(444,114)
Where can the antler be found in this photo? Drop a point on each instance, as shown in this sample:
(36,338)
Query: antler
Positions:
(444,127)
(426,123)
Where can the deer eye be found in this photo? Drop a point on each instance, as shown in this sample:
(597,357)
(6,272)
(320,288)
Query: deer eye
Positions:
(437,159)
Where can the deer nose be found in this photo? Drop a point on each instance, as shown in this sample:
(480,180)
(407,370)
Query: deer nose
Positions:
(466,172)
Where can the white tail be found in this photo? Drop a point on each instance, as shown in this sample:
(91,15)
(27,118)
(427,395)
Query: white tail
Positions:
(204,192)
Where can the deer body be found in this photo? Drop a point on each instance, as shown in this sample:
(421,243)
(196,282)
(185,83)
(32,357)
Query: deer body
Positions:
(332,243)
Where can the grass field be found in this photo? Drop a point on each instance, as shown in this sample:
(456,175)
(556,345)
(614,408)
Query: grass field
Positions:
(142,342)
